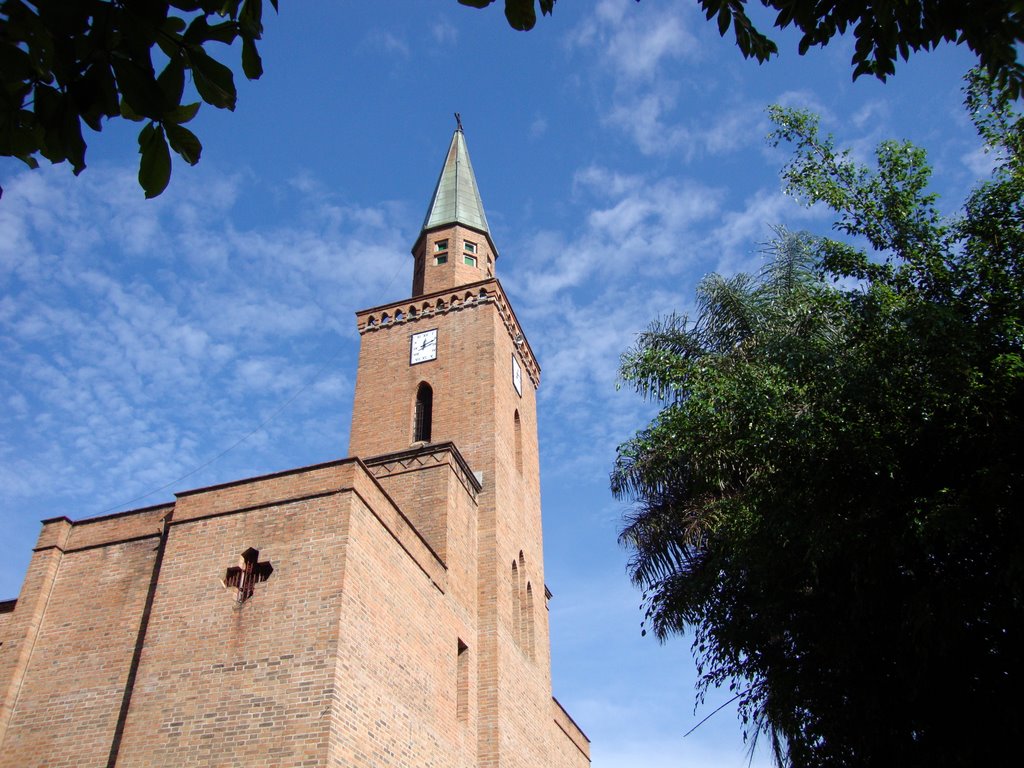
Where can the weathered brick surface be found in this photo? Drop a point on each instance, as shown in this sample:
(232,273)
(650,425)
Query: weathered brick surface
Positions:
(397,678)
(65,710)
(223,683)
(434,488)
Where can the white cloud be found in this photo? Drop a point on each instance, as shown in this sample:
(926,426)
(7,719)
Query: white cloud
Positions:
(142,364)
(386,42)
(980,162)
(605,182)
(635,43)
(444,33)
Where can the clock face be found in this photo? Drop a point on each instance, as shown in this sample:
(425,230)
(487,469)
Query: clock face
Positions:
(423,347)
(517,376)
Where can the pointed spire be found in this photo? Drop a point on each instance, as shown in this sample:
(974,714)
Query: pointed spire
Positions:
(456,199)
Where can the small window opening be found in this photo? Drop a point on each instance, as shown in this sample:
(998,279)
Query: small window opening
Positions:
(424,413)
(462,681)
(470,247)
(530,647)
(440,245)
(244,577)
(517,611)
(441,259)
(469,261)
(519,443)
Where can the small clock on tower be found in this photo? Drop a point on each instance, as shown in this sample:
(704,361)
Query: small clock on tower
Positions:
(517,376)
(423,346)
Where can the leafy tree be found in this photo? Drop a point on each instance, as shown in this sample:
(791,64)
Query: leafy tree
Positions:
(831,496)
(65,62)
(887,29)
(883,29)
(521,14)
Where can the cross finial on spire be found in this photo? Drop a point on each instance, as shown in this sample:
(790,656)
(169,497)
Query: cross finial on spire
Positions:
(458,122)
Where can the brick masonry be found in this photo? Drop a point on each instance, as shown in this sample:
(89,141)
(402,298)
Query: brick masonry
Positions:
(403,622)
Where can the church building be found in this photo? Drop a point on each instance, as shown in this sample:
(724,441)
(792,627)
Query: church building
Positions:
(383,610)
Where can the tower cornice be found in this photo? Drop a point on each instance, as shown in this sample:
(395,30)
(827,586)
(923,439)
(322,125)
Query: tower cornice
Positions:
(468,296)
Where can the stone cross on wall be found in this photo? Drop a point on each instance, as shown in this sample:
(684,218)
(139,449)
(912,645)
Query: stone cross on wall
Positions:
(247,574)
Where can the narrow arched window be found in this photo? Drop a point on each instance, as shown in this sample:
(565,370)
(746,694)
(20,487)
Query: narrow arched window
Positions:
(529,643)
(424,413)
(517,610)
(519,443)
(522,626)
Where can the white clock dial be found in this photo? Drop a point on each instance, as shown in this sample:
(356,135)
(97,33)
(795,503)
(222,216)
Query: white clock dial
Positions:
(517,376)
(423,347)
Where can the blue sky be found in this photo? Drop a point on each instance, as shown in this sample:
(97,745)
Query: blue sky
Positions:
(148,347)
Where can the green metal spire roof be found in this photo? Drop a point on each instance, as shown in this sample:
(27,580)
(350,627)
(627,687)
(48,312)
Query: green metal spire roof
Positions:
(456,199)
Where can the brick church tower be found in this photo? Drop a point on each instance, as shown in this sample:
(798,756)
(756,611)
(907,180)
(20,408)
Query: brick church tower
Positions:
(387,609)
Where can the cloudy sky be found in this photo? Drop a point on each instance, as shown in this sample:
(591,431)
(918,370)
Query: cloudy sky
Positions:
(148,347)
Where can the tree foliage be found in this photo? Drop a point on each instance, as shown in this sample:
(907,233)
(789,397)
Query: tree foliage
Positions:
(830,498)
(66,63)
(885,30)
(521,14)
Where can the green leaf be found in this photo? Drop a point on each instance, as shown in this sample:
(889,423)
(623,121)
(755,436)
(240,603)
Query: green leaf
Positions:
(250,19)
(200,31)
(213,80)
(172,83)
(252,64)
(723,21)
(15,63)
(155,165)
(184,142)
(138,87)
(95,94)
(225,32)
(174,25)
(520,14)
(71,138)
(170,40)
(182,114)
(130,114)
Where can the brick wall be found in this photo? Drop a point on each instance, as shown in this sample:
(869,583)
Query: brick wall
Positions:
(430,277)
(79,616)
(392,630)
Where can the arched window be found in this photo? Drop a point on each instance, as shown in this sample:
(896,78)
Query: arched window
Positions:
(517,631)
(519,443)
(523,609)
(528,641)
(424,413)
